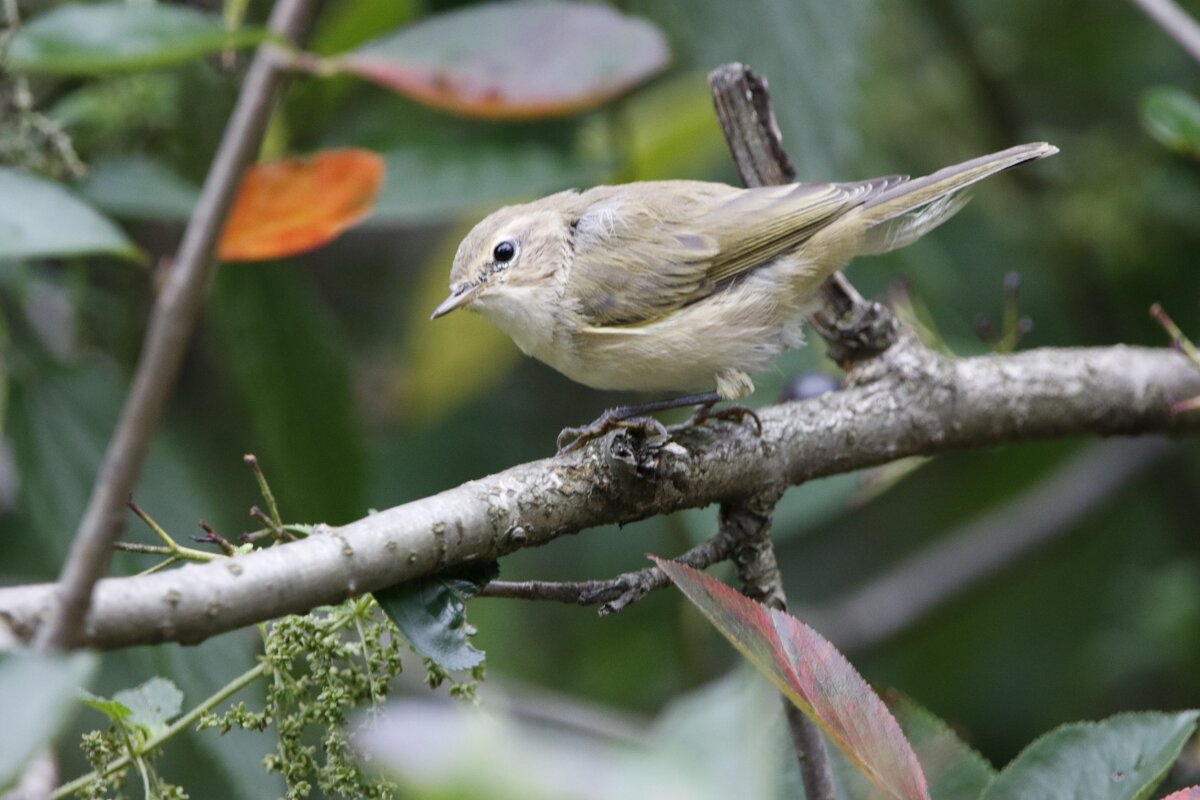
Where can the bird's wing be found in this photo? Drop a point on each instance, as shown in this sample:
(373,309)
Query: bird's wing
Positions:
(760,224)
(635,255)
(647,249)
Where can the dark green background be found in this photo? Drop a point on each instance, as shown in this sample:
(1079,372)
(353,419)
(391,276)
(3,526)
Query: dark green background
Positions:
(310,363)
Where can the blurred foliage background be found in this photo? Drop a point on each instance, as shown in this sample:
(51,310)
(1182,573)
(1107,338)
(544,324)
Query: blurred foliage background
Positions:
(327,367)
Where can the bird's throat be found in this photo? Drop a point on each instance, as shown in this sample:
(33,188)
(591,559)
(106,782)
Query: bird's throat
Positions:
(530,315)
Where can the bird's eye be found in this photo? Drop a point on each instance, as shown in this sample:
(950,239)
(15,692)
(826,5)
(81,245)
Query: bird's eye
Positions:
(505,251)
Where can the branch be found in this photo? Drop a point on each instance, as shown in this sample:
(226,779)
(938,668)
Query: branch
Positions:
(845,321)
(853,328)
(615,593)
(1175,22)
(748,523)
(172,321)
(912,589)
(907,402)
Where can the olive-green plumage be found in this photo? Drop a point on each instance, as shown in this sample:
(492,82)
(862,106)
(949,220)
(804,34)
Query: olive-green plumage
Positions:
(677,285)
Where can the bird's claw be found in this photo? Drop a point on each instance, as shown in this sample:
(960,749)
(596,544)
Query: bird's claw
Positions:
(571,439)
(705,413)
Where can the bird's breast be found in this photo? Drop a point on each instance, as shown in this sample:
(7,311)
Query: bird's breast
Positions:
(533,317)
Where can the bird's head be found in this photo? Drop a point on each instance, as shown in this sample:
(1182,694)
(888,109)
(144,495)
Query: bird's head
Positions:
(513,250)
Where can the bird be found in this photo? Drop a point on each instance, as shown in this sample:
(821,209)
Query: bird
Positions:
(681,285)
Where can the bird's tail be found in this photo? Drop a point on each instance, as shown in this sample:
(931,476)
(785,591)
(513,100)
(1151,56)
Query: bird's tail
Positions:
(901,212)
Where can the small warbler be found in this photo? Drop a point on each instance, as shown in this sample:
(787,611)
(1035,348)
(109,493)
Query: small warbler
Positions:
(678,285)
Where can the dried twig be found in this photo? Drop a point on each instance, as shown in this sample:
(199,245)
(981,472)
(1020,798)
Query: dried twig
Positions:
(615,593)
(171,323)
(853,327)
(748,524)
(854,330)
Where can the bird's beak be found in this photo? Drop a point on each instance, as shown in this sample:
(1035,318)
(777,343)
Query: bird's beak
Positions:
(457,299)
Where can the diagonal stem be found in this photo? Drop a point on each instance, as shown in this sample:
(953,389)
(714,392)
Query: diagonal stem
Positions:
(1175,22)
(172,320)
(743,106)
(748,523)
(615,593)
(853,327)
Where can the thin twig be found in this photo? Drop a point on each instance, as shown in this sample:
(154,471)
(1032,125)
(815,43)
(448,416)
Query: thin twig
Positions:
(178,552)
(1184,345)
(747,119)
(150,523)
(853,327)
(1175,22)
(1178,340)
(615,593)
(265,488)
(272,528)
(212,537)
(748,523)
(170,329)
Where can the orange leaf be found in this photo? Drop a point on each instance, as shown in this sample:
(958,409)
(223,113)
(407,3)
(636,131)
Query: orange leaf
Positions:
(299,204)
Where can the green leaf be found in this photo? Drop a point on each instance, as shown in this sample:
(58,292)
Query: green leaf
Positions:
(118,37)
(453,752)
(812,59)
(37,699)
(138,187)
(60,420)
(560,58)
(152,705)
(667,130)
(431,183)
(113,709)
(954,770)
(41,219)
(729,737)
(439,167)
(125,112)
(814,676)
(1122,758)
(432,613)
(349,23)
(232,761)
(290,369)
(1172,116)
(148,707)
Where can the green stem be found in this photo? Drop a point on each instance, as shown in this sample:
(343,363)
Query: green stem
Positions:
(141,765)
(152,525)
(265,488)
(1177,338)
(222,694)
(160,566)
(176,551)
(362,637)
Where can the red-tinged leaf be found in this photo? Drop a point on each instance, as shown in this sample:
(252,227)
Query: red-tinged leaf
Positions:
(1190,793)
(1184,406)
(297,205)
(515,60)
(814,676)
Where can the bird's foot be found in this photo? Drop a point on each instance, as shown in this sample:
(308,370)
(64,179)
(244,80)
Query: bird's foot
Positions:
(570,439)
(706,412)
